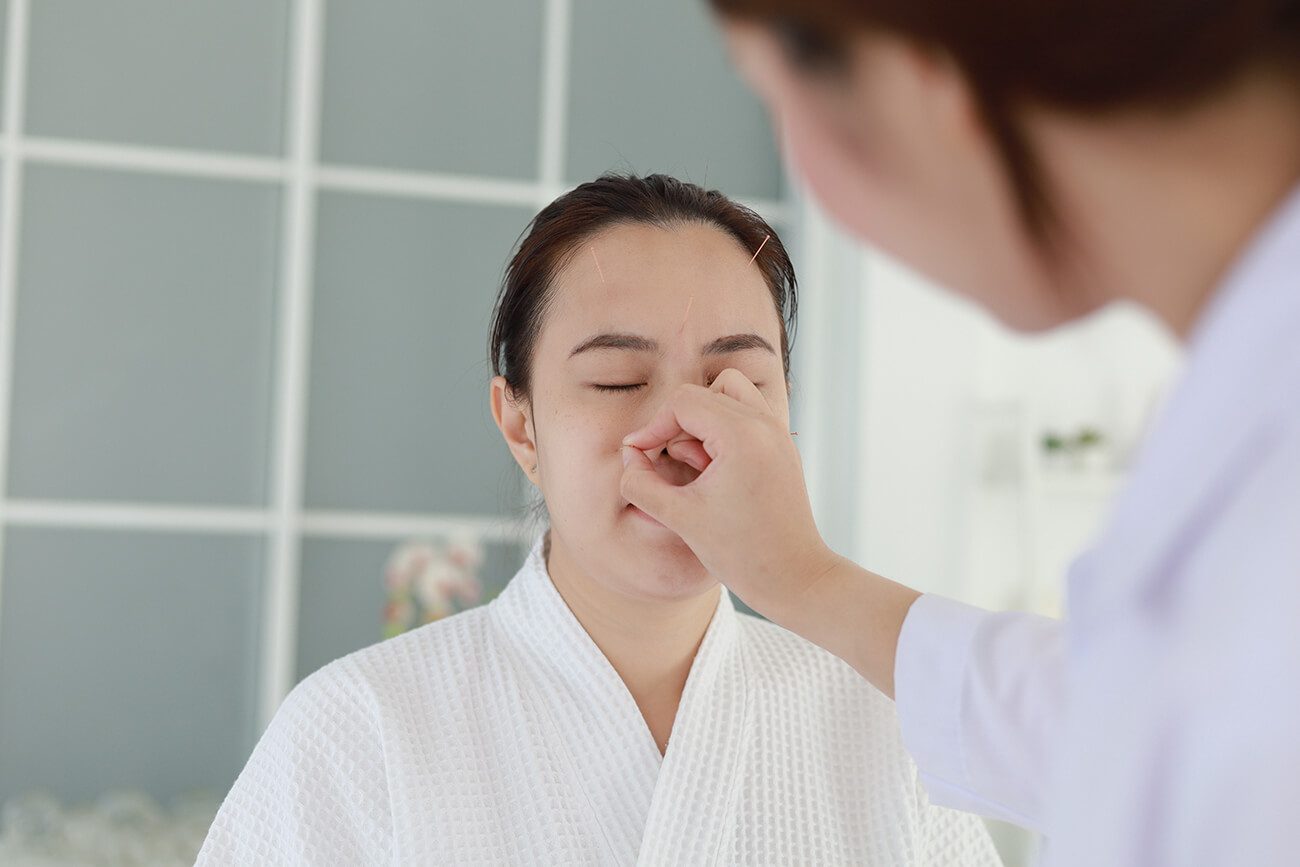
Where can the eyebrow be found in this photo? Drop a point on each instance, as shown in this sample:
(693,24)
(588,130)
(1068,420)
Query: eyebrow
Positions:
(736,343)
(637,343)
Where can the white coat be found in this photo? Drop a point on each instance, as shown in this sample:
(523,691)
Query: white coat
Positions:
(1159,724)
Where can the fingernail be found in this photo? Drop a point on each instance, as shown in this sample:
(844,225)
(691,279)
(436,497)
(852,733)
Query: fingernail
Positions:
(627,455)
(627,440)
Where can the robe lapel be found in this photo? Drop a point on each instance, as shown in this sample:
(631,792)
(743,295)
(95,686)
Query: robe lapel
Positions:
(691,819)
(597,737)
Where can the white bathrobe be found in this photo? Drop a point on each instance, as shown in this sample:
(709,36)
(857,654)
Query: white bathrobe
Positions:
(503,736)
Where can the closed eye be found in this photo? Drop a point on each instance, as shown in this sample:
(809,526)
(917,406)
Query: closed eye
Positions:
(630,387)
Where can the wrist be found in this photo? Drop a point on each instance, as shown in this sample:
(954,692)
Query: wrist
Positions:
(853,613)
(812,581)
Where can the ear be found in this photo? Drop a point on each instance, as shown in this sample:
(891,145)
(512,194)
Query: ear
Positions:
(511,414)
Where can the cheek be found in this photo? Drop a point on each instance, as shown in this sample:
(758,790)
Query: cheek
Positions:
(969,248)
(842,185)
(581,443)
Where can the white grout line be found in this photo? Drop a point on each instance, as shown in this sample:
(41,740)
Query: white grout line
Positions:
(149,159)
(49,513)
(399,526)
(360,179)
(15,90)
(280,608)
(236,520)
(427,185)
(160,160)
(554,99)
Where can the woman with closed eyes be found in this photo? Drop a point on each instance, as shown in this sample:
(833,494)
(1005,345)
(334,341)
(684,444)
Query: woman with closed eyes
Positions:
(611,706)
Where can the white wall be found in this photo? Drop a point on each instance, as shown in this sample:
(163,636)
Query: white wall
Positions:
(922,434)
(955,493)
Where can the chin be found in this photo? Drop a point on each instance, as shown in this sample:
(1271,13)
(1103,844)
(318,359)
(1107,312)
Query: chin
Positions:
(665,568)
(1033,319)
(1019,322)
(662,582)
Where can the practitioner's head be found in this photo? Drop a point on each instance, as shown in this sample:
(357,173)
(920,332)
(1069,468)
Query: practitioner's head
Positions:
(967,138)
(620,291)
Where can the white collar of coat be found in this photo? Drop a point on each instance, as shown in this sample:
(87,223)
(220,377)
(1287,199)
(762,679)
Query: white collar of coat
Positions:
(634,794)
(1241,378)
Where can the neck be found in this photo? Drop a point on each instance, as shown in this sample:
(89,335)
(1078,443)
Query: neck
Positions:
(1159,206)
(650,642)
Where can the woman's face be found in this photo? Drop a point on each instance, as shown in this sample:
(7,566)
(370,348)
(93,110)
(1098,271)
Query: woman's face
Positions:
(636,312)
(895,149)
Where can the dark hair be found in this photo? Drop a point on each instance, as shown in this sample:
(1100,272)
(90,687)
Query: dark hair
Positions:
(558,231)
(1079,55)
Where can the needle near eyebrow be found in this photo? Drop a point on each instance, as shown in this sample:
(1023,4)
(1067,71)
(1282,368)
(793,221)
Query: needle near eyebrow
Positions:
(687,316)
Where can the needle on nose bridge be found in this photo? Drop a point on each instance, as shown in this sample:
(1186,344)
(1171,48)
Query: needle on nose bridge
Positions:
(687,317)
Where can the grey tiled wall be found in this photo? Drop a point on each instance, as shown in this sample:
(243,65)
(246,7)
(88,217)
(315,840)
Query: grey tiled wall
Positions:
(148,307)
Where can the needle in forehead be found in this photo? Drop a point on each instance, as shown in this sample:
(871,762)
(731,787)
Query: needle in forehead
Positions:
(687,316)
(600,271)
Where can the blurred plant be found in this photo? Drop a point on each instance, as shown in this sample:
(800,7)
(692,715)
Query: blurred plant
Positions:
(1053,443)
(1086,449)
(428,581)
(1086,439)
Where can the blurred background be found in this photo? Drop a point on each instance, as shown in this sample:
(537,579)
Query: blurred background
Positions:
(248,252)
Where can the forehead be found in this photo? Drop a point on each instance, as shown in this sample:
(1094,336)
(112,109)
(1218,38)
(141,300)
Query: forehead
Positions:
(642,277)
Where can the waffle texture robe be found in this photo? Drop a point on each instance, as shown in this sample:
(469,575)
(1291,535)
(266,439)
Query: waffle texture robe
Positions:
(503,735)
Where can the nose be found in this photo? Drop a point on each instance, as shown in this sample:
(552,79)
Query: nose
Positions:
(675,373)
(670,469)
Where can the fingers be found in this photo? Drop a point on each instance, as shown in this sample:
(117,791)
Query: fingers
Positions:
(736,385)
(643,487)
(689,451)
(699,412)
(692,410)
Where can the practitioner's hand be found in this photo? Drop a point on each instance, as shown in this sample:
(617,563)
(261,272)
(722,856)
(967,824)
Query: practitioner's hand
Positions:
(747,516)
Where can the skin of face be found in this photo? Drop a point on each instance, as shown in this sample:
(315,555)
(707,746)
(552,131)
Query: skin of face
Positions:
(895,151)
(655,307)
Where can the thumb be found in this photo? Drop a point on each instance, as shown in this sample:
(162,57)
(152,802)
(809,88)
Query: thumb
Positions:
(643,487)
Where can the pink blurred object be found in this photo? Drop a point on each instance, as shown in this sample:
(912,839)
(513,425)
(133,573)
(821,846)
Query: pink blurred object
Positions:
(427,581)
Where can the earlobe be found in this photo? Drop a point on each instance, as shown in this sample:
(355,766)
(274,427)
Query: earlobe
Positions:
(510,412)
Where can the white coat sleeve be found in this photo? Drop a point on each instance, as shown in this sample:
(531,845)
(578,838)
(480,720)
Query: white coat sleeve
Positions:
(980,700)
(314,790)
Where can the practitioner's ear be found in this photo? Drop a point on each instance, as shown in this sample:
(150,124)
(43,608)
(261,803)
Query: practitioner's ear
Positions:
(511,416)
